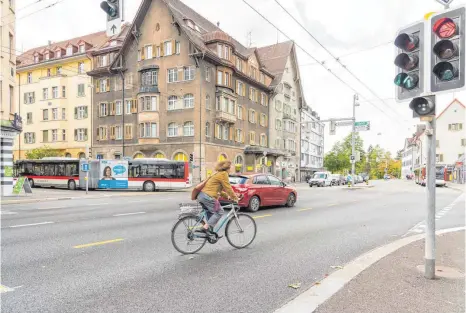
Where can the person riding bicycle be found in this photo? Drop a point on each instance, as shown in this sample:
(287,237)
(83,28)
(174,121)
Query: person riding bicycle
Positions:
(217,185)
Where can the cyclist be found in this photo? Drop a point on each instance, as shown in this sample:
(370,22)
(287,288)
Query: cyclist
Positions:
(217,185)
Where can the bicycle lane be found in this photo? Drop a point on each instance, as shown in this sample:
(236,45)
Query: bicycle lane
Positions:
(143,271)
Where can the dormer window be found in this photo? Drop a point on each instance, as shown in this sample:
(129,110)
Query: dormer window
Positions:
(69,50)
(36,59)
(47,56)
(58,53)
(223,51)
(82,48)
(113,43)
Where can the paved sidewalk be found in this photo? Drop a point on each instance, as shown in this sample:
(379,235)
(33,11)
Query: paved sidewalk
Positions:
(460,187)
(394,284)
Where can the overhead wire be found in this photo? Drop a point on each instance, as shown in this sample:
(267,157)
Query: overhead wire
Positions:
(34,12)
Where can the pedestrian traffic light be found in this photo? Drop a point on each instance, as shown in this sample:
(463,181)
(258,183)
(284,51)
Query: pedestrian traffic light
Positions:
(191,157)
(447,50)
(409,62)
(423,106)
(112,8)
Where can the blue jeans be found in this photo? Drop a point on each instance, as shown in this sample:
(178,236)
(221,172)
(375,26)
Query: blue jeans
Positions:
(209,204)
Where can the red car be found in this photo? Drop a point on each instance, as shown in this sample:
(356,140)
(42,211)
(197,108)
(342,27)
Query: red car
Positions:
(260,190)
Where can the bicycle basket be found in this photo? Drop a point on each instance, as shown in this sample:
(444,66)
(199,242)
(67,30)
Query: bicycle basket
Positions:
(190,209)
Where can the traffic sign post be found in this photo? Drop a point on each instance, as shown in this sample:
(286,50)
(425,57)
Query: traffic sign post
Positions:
(362,126)
(85,168)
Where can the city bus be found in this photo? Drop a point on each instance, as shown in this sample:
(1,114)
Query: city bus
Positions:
(143,174)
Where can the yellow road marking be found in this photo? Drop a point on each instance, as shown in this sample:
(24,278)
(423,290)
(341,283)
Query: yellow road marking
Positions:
(5,289)
(300,210)
(99,243)
(261,216)
(333,204)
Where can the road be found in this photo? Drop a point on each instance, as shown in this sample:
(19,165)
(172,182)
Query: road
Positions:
(114,254)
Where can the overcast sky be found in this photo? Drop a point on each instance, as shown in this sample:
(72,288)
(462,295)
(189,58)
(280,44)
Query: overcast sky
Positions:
(342,26)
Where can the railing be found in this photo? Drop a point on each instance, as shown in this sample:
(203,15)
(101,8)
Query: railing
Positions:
(226,117)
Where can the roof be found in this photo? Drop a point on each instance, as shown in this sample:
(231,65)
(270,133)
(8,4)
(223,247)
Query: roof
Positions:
(95,39)
(274,58)
(448,106)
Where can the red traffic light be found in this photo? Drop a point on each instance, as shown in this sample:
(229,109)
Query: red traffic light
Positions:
(445,28)
(406,42)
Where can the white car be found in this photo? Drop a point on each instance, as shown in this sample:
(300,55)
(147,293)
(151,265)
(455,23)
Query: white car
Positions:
(321,179)
(438,182)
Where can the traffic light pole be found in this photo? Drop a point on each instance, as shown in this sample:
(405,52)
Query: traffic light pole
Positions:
(353,162)
(429,270)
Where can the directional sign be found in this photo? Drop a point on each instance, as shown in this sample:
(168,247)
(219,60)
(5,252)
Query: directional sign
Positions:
(85,167)
(362,126)
(345,123)
(113,27)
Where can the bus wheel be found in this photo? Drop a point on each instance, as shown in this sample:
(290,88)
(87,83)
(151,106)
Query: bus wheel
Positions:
(71,185)
(31,182)
(148,186)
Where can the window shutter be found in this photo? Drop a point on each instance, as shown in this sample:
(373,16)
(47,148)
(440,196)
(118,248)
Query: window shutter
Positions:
(143,57)
(173,47)
(134,106)
(460,126)
(231,133)
(75,113)
(97,87)
(108,85)
(85,112)
(33,137)
(162,49)
(85,134)
(98,134)
(266,121)
(216,130)
(75,134)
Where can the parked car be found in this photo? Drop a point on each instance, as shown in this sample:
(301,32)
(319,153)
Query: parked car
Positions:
(337,180)
(386,177)
(321,179)
(261,190)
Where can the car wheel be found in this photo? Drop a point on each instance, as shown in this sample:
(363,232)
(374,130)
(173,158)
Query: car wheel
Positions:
(148,186)
(254,204)
(71,185)
(291,200)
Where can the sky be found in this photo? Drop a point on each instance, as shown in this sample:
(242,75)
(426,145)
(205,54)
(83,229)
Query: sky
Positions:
(345,28)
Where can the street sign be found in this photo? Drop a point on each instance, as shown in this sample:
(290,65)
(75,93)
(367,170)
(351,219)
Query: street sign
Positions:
(113,27)
(362,126)
(344,123)
(85,167)
(352,158)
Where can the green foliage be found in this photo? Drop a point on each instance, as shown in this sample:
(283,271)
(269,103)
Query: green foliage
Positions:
(43,152)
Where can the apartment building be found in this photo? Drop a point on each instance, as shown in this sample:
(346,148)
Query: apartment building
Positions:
(312,143)
(450,134)
(191,89)
(284,110)
(10,122)
(55,96)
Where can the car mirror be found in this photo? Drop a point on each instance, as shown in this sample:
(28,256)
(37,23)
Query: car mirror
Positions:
(282,184)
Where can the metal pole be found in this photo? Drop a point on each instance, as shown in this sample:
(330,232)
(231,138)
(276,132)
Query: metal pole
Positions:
(123,112)
(87,173)
(430,218)
(353,162)
(19,112)
(200,121)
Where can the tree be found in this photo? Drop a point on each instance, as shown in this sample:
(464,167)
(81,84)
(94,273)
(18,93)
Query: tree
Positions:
(43,152)
(399,155)
(338,159)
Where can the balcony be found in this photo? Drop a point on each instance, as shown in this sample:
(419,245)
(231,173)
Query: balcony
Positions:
(225,117)
(288,116)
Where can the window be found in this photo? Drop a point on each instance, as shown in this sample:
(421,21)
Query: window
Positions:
(148,51)
(58,70)
(29,97)
(239,135)
(439,158)
(218,131)
(45,93)
(118,132)
(167,48)
(69,50)
(226,54)
(262,78)
(29,137)
(81,92)
(239,64)
(226,132)
(103,60)
(177,47)
(207,74)
(118,108)
(63,91)
(227,79)
(463,142)
(58,54)
(103,109)
(81,67)
(252,72)
(102,133)
(232,107)
(188,129)
(149,78)
(148,130)
(10,41)
(172,75)
(207,102)
(54,92)
(180,156)
(29,117)
(80,134)
(263,140)
(45,115)
(252,116)
(188,72)
(55,114)
(47,55)
(207,129)
(264,99)
(278,124)
(157,51)
(149,103)
(252,138)
(188,101)
(225,104)
(263,120)
(220,50)
(29,78)
(240,112)
(49,72)
(54,134)
(437,143)
(128,110)
(455,127)
(82,48)
(277,143)
(103,85)
(240,88)
(80,112)
(128,131)
(172,130)
(219,78)
(172,102)
(45,136)
(36,59)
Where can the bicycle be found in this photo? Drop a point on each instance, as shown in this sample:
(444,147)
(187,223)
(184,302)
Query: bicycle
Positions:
(194,216)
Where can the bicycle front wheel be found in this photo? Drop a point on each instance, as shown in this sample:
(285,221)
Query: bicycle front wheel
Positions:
(184,236)
(241,232)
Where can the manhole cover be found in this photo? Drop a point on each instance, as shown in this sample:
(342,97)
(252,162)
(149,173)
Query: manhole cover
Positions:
(444,271)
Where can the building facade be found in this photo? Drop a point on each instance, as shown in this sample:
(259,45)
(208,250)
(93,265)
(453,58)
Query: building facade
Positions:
(312,143)
(10,123)
(284,109)
(450,133)
(55,96)
(191,89)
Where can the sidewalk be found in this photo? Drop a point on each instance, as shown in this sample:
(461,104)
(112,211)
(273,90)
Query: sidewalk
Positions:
(394,284)
(460,187)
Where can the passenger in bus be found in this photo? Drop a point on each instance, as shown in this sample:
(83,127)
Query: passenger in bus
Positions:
(107,175)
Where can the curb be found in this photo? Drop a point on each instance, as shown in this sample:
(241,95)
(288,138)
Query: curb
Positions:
(309,300)
(457,188)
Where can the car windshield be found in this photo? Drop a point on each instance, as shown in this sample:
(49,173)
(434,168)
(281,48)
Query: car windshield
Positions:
(319,175)
(236,180)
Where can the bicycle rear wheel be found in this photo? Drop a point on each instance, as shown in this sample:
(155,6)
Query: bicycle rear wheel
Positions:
(184,238)
(241,231)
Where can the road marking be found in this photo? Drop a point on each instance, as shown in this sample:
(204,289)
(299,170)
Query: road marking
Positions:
(125,214)
(99,243)
(261,216)
(301,210)
(7,213)
(4,289)
(52,208)
(333,204)
(34,224)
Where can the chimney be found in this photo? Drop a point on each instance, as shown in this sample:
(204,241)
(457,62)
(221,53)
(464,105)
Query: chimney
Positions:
(218,24)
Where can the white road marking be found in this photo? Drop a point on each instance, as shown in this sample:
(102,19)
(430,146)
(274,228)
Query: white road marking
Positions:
(7,213)
(34,224)
(99,203)
(52,208)
(125,214)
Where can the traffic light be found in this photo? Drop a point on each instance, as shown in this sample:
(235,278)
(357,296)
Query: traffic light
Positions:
(423,106)
(112,8)
(191,157)
(409,62)
(447,50)
(333,127)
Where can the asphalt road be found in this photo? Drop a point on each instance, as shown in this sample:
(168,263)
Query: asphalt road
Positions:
(48,264)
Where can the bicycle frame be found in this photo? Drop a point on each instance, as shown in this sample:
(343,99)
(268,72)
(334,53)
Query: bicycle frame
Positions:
(223,221)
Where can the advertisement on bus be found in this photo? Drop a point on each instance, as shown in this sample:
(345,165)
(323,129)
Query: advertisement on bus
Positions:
(113,174)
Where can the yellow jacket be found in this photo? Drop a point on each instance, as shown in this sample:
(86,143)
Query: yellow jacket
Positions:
(219,183)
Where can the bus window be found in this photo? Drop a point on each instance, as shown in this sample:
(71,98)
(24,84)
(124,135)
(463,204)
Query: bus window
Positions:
(37,171)
(180,171)
(134,170)
(60,169)
(49,169)
(71,170)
